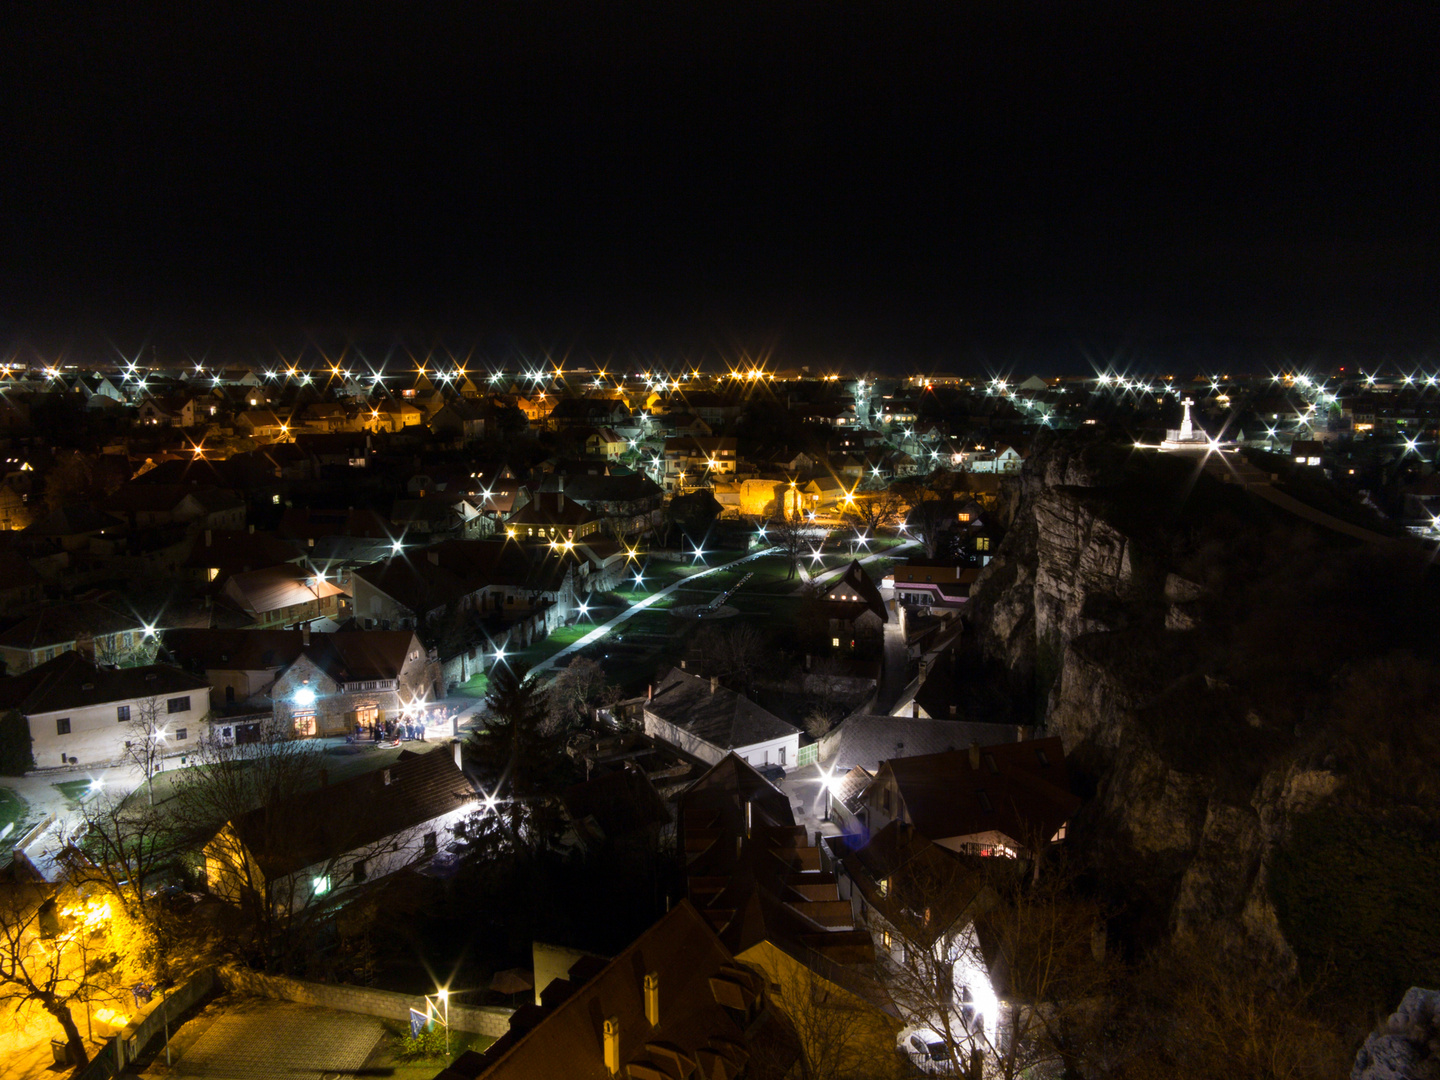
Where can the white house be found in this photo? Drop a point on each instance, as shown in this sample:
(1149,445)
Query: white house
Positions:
(707,721)
(79,713)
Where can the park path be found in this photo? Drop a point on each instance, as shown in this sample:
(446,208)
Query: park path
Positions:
(601,629)
(1234,469)
(836,571)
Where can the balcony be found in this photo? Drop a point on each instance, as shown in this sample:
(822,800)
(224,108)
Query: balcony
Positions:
(369,685)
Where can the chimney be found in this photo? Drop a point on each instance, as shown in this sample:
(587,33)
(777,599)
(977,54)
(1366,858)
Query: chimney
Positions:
(208,538)
(652,998)
(252,530)
(714,683)
(612,1045)
(305,635)
(650,693)
(455,746)
(952,710)
(560,483)
(974,755)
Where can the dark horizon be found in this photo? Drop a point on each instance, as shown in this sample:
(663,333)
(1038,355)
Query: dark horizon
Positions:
(895,187)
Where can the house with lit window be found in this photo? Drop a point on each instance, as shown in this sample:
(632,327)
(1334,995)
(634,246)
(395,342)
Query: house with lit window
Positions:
(693,462)
(79,712)
(261,424)
(341,680)
(763,883)
(999,800)
(707,721)
(913,895)
(323,845)
(942,583)
(552,516)
(854,608)
(285,595)
(376,669)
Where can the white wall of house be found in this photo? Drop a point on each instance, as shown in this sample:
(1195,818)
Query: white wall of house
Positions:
(97,734)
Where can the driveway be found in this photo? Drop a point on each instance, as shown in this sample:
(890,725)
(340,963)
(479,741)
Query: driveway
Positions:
(278,1040)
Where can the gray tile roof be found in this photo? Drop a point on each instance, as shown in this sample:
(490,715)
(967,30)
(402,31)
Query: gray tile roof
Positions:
(72,682)
(721,717)
(866,740)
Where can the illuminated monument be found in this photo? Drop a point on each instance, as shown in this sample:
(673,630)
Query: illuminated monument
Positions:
(1186,437)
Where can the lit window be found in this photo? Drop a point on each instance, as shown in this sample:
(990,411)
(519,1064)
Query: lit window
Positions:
(835,642)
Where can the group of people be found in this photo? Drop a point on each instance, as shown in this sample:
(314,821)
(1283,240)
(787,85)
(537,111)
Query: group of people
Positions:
(391,731)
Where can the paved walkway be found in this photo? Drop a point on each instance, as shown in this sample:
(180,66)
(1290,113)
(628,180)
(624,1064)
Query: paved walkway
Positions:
(277,1040)
(838,570)
(1232,468)
(604,628)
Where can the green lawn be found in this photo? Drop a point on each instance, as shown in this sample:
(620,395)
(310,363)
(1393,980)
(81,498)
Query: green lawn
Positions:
(384,1059)
(477,686)
(559,638)
(13,811)
(75,790)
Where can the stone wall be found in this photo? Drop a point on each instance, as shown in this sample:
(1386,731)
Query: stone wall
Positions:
(483,1019)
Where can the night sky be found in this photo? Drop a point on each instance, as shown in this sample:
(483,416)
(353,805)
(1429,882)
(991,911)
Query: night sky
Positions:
(893,184)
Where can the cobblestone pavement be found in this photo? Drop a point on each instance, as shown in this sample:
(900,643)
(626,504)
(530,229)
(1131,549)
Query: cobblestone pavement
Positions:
(279,1040)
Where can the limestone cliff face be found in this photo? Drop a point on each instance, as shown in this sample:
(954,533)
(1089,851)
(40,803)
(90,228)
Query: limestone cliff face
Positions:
(1081,615)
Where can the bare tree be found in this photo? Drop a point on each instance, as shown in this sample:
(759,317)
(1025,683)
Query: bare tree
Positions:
(55,952)
(121,846)
(1008,971)
(145,740)
(109,649)
(737,652)
(930,515)
(793,535)
(826,705)
(872,511)
(1202,1010)
(841,1023)
(226,782)
(572,693)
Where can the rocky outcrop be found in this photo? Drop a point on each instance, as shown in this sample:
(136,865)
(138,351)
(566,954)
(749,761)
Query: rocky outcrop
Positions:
(1076,607)
(1407,1047)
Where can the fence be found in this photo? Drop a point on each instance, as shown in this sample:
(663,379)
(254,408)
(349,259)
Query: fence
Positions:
(481,1019)
(137,1036)
(133,1040)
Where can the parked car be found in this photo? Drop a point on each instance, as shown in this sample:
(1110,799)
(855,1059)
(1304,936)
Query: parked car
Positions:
(929,1054)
